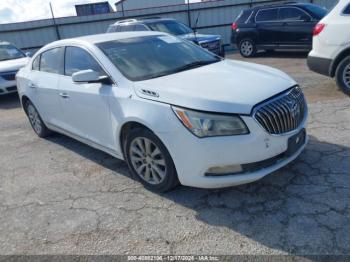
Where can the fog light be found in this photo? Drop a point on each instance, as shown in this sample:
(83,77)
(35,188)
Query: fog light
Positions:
(224,170)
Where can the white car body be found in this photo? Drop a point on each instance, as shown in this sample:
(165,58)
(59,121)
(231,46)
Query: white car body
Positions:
(96,115)
(332,44)
(8,70)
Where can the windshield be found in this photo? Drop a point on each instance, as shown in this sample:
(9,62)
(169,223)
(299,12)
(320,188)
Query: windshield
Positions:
(147,57)
(9,52)
(318,11)
(170,27)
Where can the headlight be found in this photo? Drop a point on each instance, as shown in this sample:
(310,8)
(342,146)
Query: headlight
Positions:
(207,125)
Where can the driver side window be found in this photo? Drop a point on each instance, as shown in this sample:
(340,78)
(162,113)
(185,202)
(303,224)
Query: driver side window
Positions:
(77,59)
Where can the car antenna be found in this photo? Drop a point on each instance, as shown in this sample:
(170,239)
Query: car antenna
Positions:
(195,26)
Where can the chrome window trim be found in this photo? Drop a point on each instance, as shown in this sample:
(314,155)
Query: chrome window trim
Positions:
(279,20)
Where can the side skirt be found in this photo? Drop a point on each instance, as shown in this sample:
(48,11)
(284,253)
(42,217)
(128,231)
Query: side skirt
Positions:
(85,141)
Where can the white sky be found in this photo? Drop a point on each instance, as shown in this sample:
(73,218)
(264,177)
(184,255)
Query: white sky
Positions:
(25,10)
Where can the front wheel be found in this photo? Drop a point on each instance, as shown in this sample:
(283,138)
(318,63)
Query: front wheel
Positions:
(247,48)
(343,75)
(150,161)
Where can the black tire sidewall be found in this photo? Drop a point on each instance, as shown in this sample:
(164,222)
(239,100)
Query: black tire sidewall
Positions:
(44,130)
(253,44)
(171,179)
(339,75)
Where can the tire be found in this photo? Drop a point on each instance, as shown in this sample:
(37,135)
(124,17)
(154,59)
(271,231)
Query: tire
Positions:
(36,121)
(150,161)
(247,47)
(342,75)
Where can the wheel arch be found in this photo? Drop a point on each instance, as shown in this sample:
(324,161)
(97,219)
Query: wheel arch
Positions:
(247,35)
(24,100)
(126,128)
(337,60)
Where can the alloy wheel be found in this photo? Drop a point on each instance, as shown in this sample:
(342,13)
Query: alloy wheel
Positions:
(346,76)
(247,48)
(34,119)
(147,160)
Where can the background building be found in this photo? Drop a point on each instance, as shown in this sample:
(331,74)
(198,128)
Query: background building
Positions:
(94,9)
(123,5)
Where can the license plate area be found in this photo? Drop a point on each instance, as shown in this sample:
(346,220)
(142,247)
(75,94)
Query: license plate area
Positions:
(296,142)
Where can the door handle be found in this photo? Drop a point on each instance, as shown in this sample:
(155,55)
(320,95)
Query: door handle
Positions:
(64,95)
(31,85)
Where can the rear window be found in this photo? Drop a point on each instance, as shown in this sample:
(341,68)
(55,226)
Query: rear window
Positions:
(266,15)
(126,28)
(243,16)
(317,11)
(347,10)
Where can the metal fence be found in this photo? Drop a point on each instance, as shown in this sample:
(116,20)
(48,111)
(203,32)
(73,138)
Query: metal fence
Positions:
(215,17)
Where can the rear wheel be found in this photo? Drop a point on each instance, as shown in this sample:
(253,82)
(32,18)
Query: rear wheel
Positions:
(35,121)
(150,161)
(343,75)
(247,47)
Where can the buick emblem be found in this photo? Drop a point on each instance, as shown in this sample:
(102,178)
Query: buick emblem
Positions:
(294,109)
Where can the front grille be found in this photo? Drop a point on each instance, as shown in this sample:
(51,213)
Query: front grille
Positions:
(282,114)
(8,76)
(11,89)
(211,45)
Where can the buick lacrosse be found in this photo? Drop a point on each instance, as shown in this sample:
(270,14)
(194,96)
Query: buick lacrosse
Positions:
(175,112)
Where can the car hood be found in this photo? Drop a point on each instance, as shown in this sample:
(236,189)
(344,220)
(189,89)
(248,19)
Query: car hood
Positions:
(227,87)
(13,65)
(200,38)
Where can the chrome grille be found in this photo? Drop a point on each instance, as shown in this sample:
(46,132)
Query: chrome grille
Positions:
(282,114)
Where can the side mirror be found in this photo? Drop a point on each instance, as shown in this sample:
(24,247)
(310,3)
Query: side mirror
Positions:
(28,54)
(90,76)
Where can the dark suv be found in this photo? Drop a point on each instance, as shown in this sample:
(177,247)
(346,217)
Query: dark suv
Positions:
(285,26)
(170,26)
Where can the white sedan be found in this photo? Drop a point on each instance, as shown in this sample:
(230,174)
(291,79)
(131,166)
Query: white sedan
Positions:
(174,111)
(11,60)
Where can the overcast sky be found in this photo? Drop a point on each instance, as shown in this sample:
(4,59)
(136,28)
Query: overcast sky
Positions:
(25,10)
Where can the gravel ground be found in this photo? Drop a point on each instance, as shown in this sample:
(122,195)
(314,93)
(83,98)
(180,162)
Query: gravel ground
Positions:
(58,196)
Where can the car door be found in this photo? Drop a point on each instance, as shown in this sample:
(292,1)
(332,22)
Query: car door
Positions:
(268,27)
(85,105)
(297,27)
(46,70)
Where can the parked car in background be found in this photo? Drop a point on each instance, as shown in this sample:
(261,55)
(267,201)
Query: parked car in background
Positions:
(285,26)
(330,54)
(11,60)
(212,43)
(172,110)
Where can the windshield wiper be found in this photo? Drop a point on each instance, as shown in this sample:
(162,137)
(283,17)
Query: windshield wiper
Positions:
(194,65)
(183,68)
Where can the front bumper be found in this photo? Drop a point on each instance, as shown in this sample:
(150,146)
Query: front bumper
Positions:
(7,87)
(320,65)
(194,156)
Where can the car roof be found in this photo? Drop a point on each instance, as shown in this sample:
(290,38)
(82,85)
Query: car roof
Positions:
(281,5)
(143,20)
(99,38)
